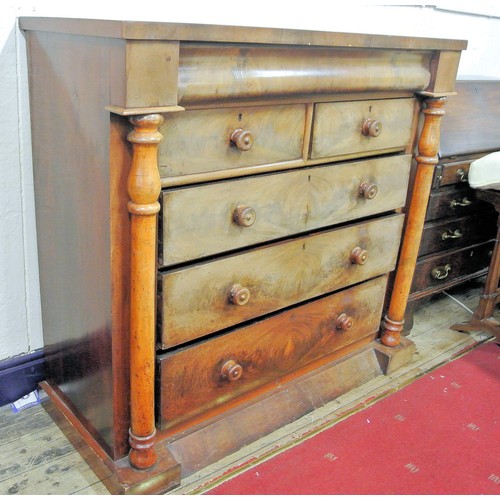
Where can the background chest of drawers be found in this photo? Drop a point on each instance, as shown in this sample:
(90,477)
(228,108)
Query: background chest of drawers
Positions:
(283,160)
(460,229)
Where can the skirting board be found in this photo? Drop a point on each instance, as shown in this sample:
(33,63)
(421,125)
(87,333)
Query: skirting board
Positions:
(20,375)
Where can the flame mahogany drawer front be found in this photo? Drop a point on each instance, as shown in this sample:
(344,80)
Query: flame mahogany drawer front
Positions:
(198,378)
(219,139)
(233,214)
(210,296)
(362,127)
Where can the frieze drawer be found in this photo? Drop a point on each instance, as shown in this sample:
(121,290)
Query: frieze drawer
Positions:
(217,294)
(362,127)
(198,378)
(205,220)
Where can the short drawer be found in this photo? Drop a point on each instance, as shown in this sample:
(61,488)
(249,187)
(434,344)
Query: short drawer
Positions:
(449,174)
(443,269)
(200,378)
(220,139)
(361,127)
(218,294)
(452,202)
(205,220)
(459,232)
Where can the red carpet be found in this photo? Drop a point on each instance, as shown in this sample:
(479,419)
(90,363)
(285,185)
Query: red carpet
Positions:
(438,435)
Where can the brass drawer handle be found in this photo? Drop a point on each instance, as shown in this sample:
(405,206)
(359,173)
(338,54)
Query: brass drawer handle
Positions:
(242,139)
(239,295)
(359,256)
(344,322)
(440,273)
(371,127)
(465,202)
(244,216)
(368,190)
(461,175)
(451,235)
(231,370)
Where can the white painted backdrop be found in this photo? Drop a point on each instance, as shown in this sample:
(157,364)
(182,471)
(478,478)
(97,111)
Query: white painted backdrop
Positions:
(20,317)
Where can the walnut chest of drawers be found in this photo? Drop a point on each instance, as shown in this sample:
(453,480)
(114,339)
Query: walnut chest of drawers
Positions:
(460,229)
(218,212)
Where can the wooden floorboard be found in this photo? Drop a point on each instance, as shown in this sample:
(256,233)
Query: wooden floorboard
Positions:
(36,458)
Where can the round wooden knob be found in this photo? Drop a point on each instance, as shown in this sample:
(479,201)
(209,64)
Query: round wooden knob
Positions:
(371,127)
(239,295)
(359,256)
(344,322)
(242,139)
(231,370)
(244,216)
(368,190)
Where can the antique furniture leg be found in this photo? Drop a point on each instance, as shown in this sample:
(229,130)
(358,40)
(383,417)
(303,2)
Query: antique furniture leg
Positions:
(144,189)
(427,157)
(482,318)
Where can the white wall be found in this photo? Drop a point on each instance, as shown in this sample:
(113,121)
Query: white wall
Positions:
(20,317)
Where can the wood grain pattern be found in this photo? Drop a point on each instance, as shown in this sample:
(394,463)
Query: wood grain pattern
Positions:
(337,128)
(191,380)
(195,299)
(198,221)
(200,141)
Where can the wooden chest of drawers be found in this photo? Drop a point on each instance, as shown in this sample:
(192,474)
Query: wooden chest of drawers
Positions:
(253,290)
(460,229)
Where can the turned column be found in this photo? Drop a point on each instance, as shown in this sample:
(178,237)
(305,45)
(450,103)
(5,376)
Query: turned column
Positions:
(144,190)
(428,146)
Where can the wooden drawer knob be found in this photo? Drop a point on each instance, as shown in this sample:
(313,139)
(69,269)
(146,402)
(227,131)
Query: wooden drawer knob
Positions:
(371,127)
(239,295)
(344,322)
(242,139)
(231,370)
(368,190)
(441,272)
(244,216)
(359,256)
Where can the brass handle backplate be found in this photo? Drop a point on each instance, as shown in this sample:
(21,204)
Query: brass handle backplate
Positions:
(231,370)
(244,216)
(239,295)
(464,202)
(441,272)
(371,127)
(461,175)
(359,256)
(242,139)
(368,190)
(451,235)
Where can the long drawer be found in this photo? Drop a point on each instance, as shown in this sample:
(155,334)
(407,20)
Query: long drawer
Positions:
(199,378)
(361,127)
(205,220)
(446,267)
(452,202)
(220,139)
(459,232)
(207,297)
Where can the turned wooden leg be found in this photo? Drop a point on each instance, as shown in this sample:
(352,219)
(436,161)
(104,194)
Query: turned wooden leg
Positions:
(143,189)
(428,146)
